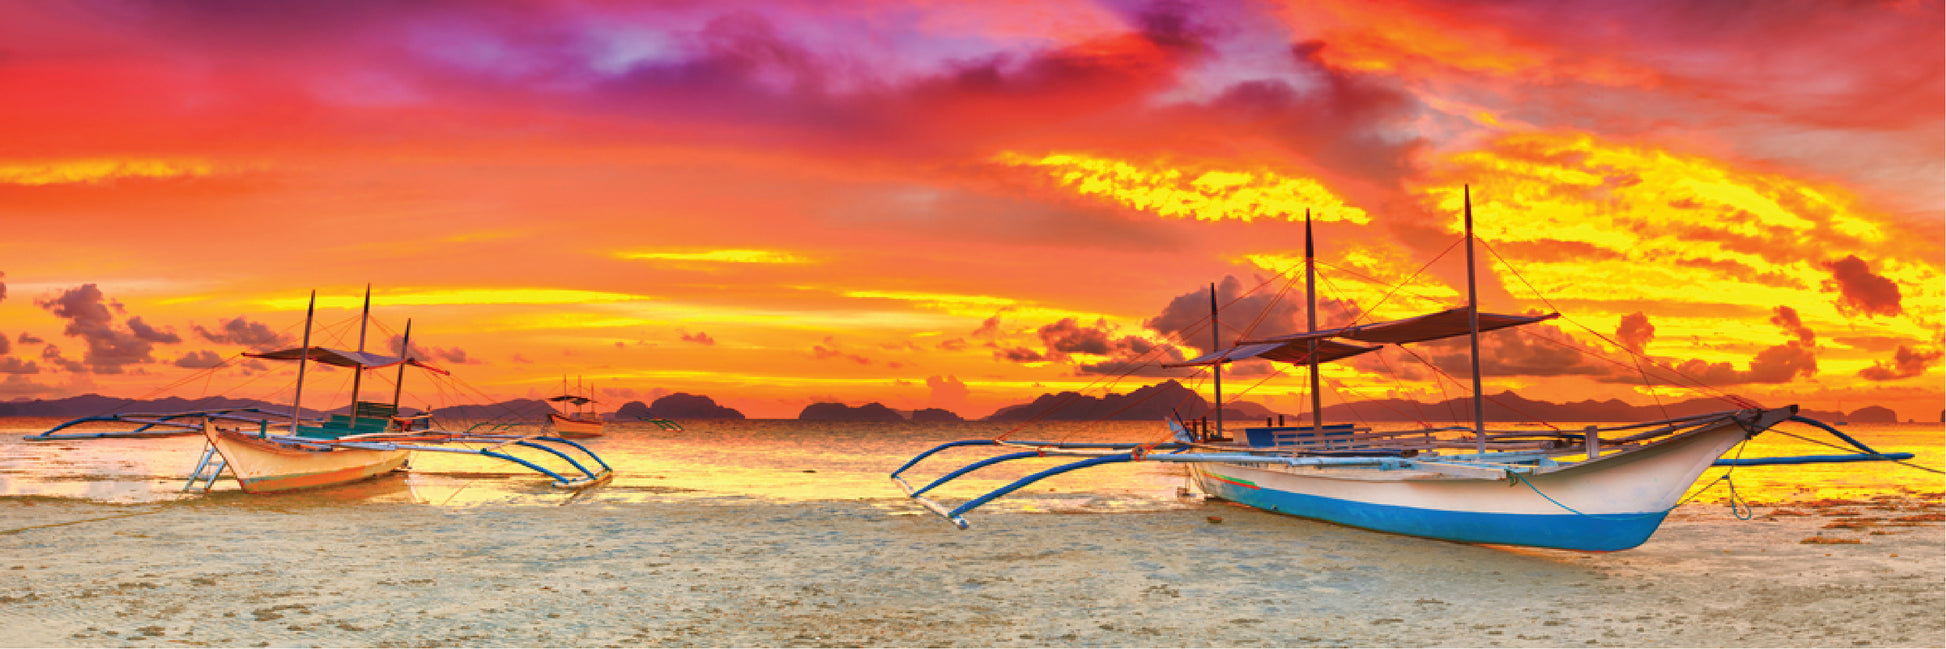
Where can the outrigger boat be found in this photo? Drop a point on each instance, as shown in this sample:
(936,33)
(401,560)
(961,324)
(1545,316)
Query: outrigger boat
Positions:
(1593,489)
(579,422)
(267,452)
(662,423)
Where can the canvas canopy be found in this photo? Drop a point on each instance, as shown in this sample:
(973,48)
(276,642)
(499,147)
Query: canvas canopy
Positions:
(1294,352)
(571,399)
(1432,326)
(1295,348)
(342,358)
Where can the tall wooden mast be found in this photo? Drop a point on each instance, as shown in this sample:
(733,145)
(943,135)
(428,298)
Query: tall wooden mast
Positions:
(358,373)
(405,354)
(1216,343)
(304,354)
(1473,324)
(1311,309)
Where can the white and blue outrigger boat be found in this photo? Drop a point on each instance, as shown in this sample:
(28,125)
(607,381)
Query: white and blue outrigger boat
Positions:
(1592,489)
(271,452)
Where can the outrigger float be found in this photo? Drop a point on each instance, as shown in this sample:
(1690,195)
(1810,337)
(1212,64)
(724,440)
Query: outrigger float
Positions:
(662,423)
(270,452)
(1593,489)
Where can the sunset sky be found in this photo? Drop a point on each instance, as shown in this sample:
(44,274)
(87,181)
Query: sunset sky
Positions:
(968,204)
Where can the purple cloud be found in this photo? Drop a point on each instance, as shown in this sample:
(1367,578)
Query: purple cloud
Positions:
(110,349)
(199,359)
(241,331)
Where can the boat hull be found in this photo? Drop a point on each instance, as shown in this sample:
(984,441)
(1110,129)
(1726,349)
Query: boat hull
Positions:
(262,466)
(1615,502)
(572,428)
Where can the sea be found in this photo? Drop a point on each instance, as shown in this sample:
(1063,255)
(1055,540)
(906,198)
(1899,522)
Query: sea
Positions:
(786,461)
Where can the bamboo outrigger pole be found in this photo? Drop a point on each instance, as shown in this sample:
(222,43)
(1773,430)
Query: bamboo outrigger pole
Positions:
(1473,324)
(1311,308)
(304,355)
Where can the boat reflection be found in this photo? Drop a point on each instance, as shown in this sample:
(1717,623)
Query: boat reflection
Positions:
(393,488)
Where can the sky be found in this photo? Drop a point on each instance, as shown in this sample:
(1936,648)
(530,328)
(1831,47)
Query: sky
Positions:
(966,205)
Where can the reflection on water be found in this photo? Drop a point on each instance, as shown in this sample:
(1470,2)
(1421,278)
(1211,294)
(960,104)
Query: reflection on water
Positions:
(786,461)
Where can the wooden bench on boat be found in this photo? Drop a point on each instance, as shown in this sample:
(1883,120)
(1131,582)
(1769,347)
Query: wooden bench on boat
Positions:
(1335,437)
(367,417)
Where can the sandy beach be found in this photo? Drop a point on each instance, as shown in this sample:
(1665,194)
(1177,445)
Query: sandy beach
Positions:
(236,571)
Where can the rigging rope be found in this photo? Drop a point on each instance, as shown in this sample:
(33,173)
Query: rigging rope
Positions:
(1737,400)
(1396,374)
(1735,499)
(1127,368)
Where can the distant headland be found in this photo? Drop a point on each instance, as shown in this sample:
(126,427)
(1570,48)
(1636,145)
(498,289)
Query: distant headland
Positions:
(1153,402)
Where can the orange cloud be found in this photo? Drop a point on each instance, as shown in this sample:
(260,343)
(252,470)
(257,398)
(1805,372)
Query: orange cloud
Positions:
(720,256)
(1421,40)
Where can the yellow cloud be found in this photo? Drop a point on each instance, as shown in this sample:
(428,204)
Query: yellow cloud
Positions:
(720,256)
(97,170)
(658,314)
(1605,221)
(460,297)
(1208,196)
(936,300)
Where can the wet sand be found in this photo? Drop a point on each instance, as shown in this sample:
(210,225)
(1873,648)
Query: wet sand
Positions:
(736,572)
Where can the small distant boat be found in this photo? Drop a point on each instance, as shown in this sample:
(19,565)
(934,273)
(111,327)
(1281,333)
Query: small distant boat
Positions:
(1592,489)
(267,453)
(579,421)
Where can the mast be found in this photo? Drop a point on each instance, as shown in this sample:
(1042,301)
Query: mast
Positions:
(304,355)
(1473,324)
(1311,308)
(1216,343)
(358,373)
(405,353)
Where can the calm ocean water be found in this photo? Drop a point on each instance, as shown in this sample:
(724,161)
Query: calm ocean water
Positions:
(792,461)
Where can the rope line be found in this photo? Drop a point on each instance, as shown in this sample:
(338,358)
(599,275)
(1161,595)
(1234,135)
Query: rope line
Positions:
(1736,499)
(1737,400)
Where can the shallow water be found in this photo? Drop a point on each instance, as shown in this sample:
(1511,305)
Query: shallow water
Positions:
(786,461)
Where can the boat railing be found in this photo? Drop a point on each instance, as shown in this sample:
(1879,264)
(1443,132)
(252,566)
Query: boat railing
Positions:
(183,423)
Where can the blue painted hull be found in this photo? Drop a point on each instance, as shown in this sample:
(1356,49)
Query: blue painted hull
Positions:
(1604,533)
(1611,503)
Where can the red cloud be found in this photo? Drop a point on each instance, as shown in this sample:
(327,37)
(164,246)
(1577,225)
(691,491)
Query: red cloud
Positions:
(1860,291)
(1786,317)
(1906,363)
(1635,332)
(821,352)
